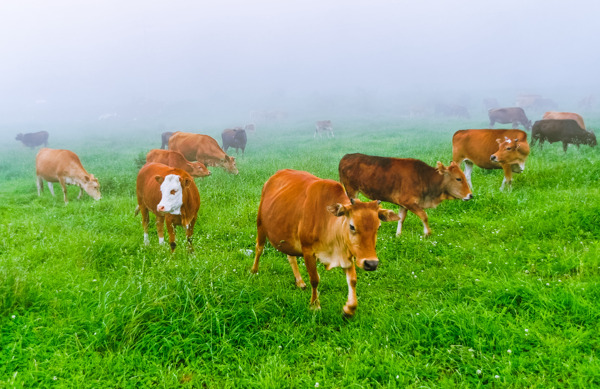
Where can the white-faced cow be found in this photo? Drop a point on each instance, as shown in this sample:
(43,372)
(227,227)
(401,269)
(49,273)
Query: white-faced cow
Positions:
(514,115)
(202,148)
(34,139)
(409,183)
(303,215)
(491,149)
(177,160)
(323,126)
(64,167)
(172,196)
(566,131)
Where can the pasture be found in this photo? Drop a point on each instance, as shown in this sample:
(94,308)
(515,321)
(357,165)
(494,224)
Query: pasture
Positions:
(505,292)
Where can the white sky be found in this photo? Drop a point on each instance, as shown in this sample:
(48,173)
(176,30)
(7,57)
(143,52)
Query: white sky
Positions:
(101,51)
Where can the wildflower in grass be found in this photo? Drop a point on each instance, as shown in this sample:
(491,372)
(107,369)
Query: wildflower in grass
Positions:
(496,376)
(13,316)
(478,372)
(316,384)
(509,351)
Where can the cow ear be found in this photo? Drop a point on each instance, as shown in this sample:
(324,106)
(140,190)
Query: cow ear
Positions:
(186,182)
(387,215)
(499,140)
(337,209)
(86,178)
(159,179)
(441,169)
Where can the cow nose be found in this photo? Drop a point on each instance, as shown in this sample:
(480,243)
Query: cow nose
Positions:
(493,158)
(469,197)
(370,264)
(161,208)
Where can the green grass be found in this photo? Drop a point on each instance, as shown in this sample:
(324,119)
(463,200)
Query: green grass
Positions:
(83,303)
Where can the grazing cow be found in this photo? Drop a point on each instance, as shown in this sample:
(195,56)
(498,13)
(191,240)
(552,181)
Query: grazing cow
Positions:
(565,131)
(202,148)
(33,139)
(491,149)
(164,137)
(514,115)
(177,160)
(303,215)
(323,126)
(235,138)
(409,183)
(565,115)
(171,195)
(64,167)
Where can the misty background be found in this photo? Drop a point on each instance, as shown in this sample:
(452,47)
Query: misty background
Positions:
(194,64)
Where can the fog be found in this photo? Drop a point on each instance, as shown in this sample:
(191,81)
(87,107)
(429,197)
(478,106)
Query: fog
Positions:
(185,64)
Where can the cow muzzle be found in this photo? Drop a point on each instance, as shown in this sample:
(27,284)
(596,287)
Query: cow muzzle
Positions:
(493,158)
(468,197)
(370,264)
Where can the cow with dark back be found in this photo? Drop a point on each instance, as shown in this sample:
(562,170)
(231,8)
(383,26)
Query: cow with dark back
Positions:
(514,115)
(410,183)
(235,138)
(164,137)
(34,139)
(566,131)
(303,215)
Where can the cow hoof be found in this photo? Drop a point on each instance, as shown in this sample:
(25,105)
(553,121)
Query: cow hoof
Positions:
(301,284)
(349,311)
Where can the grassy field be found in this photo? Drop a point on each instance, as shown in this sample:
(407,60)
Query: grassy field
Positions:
(504,293)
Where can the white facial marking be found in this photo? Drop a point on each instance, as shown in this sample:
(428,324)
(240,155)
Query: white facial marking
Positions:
(172,196)
(508,140)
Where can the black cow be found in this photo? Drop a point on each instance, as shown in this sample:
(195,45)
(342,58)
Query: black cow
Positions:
(34,139)
(514,115)
(165,139)
(235,138)
(563,130)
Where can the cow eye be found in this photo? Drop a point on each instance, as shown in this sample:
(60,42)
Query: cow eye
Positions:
(352,228)
(459,179)
(173,191)
(508,148)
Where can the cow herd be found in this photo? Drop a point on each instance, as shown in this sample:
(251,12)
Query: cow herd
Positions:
(321,220)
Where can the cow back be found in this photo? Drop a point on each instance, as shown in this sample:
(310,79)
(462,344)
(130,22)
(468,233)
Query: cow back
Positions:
(565,115)
(52,164)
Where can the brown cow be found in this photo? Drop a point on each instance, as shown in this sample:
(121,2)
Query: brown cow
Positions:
(566,131)
(514,115)
(491,149)
(323,126)
(177,160)
(303,215)
(64,167)
(171,195)
(202,148)
(164,137)
(565,115)
(409,183)
(34,139)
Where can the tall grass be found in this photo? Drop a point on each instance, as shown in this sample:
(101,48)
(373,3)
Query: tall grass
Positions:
(505,291)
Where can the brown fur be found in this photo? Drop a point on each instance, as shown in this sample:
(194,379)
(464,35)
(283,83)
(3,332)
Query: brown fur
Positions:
(202,148)
(303,215)
(177,160)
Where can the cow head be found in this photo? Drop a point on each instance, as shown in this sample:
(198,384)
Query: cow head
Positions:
(91,186)
(19,136)
(171,189)
(199,170)
(454,182)
(590,139)
(229,164)
(360,225)
(511,152)
(528,125)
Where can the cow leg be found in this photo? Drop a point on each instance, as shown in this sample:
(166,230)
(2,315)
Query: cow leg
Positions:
(402,215)
(261,238)
(160,228)
(352,302)
(423,216)
(515,124)
(294,264)
(145,221)
(171,232)
(565,145)
(189,233)
(507,177)
(40,185)
(63,184)
(311,266)
(80,193)
(51,188)
(468,170)
(492,121)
